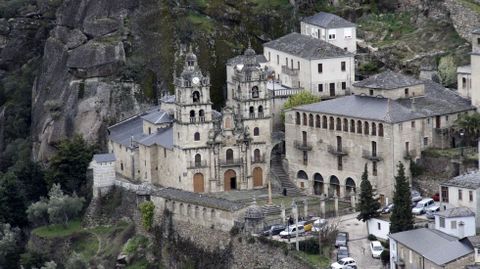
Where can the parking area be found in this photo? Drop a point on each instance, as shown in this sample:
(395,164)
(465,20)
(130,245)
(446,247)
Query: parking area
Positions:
(358,243)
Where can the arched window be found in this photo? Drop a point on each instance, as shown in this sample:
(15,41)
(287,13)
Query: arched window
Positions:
(380,129)
(352,126)
(359,127)
(374,128)
(201,114)
(255,92)
(302,175)
(257,156)
(229,155)
(324,122)
(192,113)
(297,118)
(345,125)
(310,120)
(305,119)
(251,112)
(260,111)
(198,160)
(331,123)
(339,124)
(196,97)
(256,131)
(317,121)
(366,129)
(196,136)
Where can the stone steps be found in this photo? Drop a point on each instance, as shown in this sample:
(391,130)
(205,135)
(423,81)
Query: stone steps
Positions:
(277,169)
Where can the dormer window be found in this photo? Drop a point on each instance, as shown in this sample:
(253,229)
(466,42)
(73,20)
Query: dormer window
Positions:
(255,93)
(196,97)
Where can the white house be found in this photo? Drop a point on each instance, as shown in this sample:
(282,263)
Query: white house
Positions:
(380,227)
(462,191)
(301,61)
(103,166)
(331,28)
(457,221)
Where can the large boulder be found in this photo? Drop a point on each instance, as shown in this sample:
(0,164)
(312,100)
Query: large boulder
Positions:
(71,38)
(96,59)
(99,27)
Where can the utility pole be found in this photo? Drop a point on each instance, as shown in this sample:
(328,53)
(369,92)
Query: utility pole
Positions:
(295,212)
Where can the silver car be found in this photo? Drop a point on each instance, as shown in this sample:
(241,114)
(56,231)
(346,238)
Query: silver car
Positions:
(342,239)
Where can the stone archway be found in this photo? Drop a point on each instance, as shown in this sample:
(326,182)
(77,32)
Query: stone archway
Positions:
(257,177)
(334,186)
(198,183)
(230,180)
(317,184)
(350,186)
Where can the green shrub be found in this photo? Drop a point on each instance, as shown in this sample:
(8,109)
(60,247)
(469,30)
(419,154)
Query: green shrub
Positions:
(385,256)
(251,240)
(372,237)
(310,246)
(147,210)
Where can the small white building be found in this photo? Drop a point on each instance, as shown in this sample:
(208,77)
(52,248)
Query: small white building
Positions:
(457,221)
(103,166)
(332,29)
(380,227)
(301,61)
(464,80)
(462,191)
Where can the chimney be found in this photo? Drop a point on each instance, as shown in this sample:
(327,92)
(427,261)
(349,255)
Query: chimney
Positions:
(461,229)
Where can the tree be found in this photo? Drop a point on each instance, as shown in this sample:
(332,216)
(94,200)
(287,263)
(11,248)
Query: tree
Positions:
(76,261)
(368,205)
(447,70)
(37,213)
(9,246)
(470,123)
(61,207)
(12,201)
(301,98)
(401,218)
(69,166)
(147,209)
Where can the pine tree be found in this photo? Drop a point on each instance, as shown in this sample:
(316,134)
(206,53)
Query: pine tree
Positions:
(401,218)
(368,205)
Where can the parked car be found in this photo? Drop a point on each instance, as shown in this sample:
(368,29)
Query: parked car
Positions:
(319,224)
(344,264)
(436,197)
(273,229)
(342,239)
(416,196)
(387,209)
(422,206)
(291,231)
(376,248)
(342,253)
(431,211)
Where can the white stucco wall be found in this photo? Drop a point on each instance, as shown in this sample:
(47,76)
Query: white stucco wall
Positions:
(378,227)
(453,227)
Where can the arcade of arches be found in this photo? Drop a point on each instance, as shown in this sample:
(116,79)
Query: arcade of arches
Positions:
(333,185)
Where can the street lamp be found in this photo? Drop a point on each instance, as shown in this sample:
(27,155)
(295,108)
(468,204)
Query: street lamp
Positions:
(462,133)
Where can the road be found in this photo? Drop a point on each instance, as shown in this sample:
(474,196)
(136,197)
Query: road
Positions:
(359,244)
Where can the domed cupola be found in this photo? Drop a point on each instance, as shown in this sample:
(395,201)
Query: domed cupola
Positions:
(191,75)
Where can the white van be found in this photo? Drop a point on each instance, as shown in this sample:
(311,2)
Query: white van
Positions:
(291,231)
(422,206)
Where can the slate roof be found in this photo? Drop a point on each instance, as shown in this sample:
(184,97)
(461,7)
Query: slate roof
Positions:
(104,158)
(240,59)
(437,101)
(123,131)
(199,199)
(388,80)
(163,137)
(158,116)
(433,245)
(468,181)
(328,20)
(306,47)
(456,212)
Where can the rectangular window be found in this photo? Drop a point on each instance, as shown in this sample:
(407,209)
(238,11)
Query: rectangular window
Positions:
(370,92)
(278,59)
(165,153)
(470,196)
(406,91)
(400,126)
(446,118)
(331,36)
(344,85)
(464,82)
(298,65)
(320,87)
(425,141)
(407,147)
(320,68)
(286,61)
(413,124)
(374,168)
(445,194)
(453,224)
(460,195)
(442,222)
(269,56)
(379,226)
(343,66)
(478,41)
(305,158)
(339,163)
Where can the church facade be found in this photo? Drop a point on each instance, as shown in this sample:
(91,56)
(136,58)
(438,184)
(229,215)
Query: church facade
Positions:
(184,143)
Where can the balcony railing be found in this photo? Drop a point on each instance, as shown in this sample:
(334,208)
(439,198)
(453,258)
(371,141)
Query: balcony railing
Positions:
(290,71)
(258,159)
(336,151)
(302,145)
(197,165)
(372,156)
(231,162)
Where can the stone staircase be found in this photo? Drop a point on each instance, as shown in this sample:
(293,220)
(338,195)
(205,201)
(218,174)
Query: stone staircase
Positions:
(277,170)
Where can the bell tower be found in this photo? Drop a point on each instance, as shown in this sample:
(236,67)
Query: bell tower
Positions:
(475,61)
(193,108)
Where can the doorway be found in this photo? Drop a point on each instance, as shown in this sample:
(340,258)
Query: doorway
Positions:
(230,180)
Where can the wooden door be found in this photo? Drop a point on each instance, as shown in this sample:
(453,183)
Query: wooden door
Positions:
(198,183)
(227,179)
(257,177)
